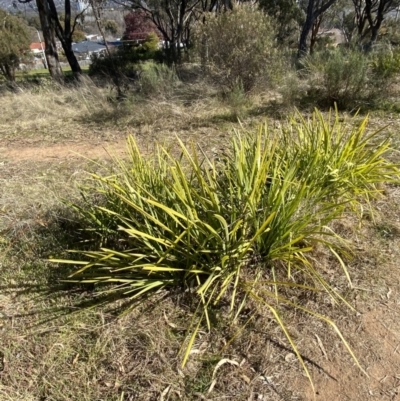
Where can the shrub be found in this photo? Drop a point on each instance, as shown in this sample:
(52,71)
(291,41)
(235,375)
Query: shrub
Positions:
(103,65)
(389,32)
(125,60)
(236,46)
(290,88)
(147,50)
(339,76)
(14,44)
(351,78)
(157,79)
(238,102)
(219,227)
(151,45)
(78,35)
(385,65)
(111,27)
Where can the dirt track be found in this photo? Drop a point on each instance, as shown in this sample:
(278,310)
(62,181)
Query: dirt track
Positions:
(71,150)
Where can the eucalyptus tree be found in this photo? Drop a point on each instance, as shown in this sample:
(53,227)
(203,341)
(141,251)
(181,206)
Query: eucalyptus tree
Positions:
(14,43)
(52,27)
(49,38)
(314,11)
(173,19)
(369,16)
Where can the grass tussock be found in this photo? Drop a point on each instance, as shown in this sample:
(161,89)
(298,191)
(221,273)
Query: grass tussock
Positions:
(232,231)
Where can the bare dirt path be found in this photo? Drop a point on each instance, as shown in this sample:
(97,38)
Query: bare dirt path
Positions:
(68,150)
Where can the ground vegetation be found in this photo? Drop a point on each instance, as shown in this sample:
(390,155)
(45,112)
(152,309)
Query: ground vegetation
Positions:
(199,230)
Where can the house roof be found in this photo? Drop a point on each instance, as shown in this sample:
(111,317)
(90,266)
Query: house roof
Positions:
(114,43)
(87,47)
(37,46)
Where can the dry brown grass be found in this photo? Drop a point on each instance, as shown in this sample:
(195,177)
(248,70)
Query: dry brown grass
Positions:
(48,113)
(91,355)
(52,114)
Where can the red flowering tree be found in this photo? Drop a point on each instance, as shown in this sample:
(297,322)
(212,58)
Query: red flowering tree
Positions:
(138,26)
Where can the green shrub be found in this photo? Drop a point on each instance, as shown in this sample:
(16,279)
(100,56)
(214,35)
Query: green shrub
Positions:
(157,79)
(114,65)
(350,78)
(290,88)
(103,66)
(233,229)
(125,61)
(385,65)
(389,32)
(339,76)
(147,50)
(236,46)
(322,42)
(150,46)
(238,102)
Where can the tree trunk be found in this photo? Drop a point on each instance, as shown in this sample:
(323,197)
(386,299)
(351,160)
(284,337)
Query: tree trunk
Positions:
(172,52)
(307,27)
(369,18)
(116,75)
(97,16)
(65,35)
(314,11)
(374,34)
(72,60)
(228,5)
(302,51)
(49,37)
(375,25)
(8,72)
(314,33)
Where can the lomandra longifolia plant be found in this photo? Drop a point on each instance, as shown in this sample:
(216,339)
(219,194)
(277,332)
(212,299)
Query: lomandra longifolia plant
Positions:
(232,229)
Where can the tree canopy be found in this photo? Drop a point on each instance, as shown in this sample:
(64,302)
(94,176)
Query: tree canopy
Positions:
(14,43)
(289,16)
(174,20)
(369,15)
(111,27)
(138,26)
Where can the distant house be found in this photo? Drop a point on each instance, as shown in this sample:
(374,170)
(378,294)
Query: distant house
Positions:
(40,47)
(114,43)
(38,51)
(85,49)
(93,38)
(37,47)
